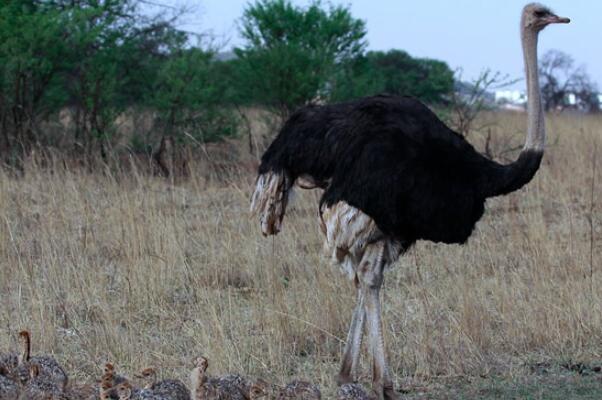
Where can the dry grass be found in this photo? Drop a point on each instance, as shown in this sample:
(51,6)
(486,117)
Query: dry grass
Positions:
(137,271)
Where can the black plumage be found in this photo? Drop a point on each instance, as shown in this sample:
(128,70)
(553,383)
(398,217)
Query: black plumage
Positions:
(392,158)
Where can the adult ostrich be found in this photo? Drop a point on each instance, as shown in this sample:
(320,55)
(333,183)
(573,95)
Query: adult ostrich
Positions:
(392,174)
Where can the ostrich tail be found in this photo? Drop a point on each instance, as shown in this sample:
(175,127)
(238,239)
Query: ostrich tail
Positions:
(272,191)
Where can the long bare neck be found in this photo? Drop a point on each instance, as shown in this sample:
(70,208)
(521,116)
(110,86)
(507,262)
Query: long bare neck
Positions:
(25,347)
(536,130)
(197,379)
(504,179)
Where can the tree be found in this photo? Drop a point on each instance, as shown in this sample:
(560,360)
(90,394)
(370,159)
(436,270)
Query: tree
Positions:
(292,53)
(31,50)
(395,72)
(79,54)
(98,59)
(560,78)
(189,99)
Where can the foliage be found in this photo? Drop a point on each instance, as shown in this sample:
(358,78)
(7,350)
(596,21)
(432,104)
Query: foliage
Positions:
(95,60)
(395,72)
(189,99)
(291,54)
(31,49)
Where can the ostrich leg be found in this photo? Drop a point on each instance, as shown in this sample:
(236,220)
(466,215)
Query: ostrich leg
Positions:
(351,354)
(370,274)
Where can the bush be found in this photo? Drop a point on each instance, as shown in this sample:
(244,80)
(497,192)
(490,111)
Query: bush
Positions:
(292,54)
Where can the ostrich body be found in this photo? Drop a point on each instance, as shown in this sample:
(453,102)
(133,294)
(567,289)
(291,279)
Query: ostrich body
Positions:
(42,387)
(392,174)
(299,390)
(47,368)
(168,389)
(9,389)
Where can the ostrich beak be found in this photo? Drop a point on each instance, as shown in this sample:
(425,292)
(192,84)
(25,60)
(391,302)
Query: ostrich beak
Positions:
(555,19)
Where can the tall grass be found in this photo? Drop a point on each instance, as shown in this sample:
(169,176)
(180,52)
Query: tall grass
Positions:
(133,269)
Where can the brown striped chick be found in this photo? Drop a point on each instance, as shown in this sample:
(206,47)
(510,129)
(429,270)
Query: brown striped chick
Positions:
(15,366)
(210,388)
(49,369)
(167,389)
(21,372)
(109,381)
(111,376)
(299,390)
(42,387)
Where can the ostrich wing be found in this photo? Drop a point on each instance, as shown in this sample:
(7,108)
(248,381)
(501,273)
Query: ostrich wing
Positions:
(413,189)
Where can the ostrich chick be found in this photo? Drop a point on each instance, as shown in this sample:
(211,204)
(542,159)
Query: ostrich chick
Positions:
(167,389)
(212,388)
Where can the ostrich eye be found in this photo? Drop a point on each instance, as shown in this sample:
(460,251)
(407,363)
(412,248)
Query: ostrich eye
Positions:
(540,14)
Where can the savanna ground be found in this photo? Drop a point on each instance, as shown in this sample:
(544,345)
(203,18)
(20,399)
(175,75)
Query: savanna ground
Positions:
(142,271)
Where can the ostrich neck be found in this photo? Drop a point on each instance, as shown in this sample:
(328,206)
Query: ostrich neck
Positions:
(536,132)
(503,179)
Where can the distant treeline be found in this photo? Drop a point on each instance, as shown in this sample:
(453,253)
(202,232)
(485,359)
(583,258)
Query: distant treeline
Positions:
(70,70)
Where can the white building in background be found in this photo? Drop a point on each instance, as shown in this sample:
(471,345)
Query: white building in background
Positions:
(510,96)
(571,99)
(511,99)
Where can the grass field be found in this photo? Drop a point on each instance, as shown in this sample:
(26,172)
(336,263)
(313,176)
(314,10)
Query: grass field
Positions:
(137,270)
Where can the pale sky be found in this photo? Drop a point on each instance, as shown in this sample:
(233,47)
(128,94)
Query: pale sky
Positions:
(468,34)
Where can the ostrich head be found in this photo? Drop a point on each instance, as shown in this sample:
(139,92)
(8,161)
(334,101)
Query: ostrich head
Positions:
(536,17)
(124,391)
(108,369)
(197,375)
(258,389)
(149,375)
(201,363)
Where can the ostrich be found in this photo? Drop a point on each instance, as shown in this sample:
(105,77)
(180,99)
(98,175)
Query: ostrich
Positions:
(392,174)
(47,367)
(167,389)
(40,386)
